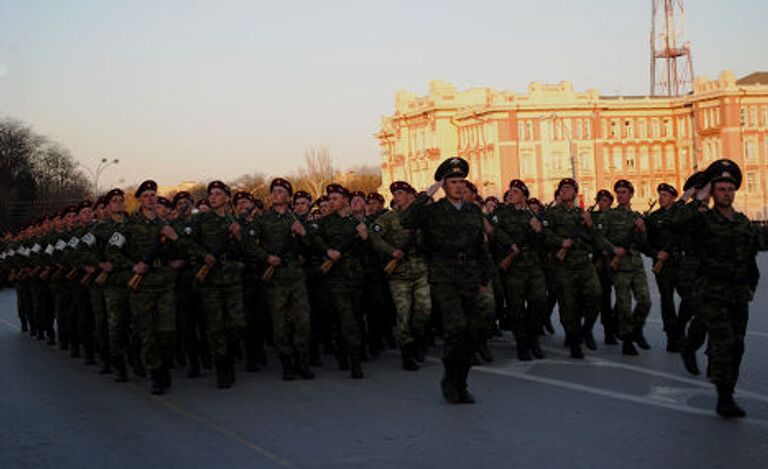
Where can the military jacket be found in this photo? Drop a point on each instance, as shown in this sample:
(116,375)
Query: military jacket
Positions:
(340,233)
(512,226)
(388,234)
(561,222)
(271,234)
(618,230)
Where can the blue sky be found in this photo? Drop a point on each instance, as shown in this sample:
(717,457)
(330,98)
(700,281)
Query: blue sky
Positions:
(183,90)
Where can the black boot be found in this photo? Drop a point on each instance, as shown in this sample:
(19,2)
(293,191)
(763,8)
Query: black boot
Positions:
(726,406)
(449,385)
(222,374)
(74,350)
(343,360)
(194,366)
(355,366)
(548,325)
(465,397)
(302,367)
(523,350)
(230,362)
(690,362)
(314,354)
(158,387)
(106,367)
(533,343)
(289,369)
(420,347)
(628,348)
(674,342)
(588,337)
(574,345)
(639,339)
(610,337)
(409,361)
(120,370)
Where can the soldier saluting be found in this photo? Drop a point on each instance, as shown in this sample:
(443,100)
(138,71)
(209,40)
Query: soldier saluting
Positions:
(728,276)
(460,268)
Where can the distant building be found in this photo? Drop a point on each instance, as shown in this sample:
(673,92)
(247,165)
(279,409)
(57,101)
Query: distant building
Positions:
(554,132)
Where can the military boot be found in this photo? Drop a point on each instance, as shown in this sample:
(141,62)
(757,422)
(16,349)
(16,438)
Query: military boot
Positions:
(588,337)
(74,350)
(484,351)
(674,342)
(302,367)
(523,350)
(449,385)
(409,360)
(639,339)
(628,348)
(121,372)
(343,360)
(355,366)
(574,345)
(465,397)
(314,354)
(610,336)
(533,343)
(289,369)
(690,362)
(726,406)
(90,356)
(420,348)
(194,366)
(106,366)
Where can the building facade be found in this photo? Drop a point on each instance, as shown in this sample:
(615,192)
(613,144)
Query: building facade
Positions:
(554,132)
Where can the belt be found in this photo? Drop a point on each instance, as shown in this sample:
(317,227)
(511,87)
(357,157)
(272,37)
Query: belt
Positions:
(459,258)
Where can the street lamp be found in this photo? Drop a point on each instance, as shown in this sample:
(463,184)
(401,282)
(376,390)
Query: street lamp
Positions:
(96,173)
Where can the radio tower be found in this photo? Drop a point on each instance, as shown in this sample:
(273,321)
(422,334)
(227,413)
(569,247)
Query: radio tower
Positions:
(671,63)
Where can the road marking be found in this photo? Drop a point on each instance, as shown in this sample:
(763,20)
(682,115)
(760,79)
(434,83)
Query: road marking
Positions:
(8,324)
(221,430)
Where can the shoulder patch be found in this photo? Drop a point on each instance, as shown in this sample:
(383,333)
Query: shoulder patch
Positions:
(49,250)
(117,240)
(187,230)
(36,248)
(89,239)
(74,241)
(377,228)
(60,245)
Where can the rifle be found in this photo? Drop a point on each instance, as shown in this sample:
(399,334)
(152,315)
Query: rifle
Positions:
(153,252)
(506,262)
(72,274)
(46,273)
(102,278)
(575,232)
(616,260)
(224,245)
(270,270)
(329,263)
(406,246)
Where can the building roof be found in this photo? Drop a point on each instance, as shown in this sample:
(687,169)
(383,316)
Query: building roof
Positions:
(756,78)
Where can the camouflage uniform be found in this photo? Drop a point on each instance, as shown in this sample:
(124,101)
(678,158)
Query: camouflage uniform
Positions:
(408,282)
(629,279)
(117,296)
(608,316)
(286,290)
(524,280)
(576,281)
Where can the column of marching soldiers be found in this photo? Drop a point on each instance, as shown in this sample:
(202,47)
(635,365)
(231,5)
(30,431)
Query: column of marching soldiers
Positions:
(210,284)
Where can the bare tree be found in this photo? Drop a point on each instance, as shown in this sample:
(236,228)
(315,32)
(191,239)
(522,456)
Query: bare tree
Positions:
(318,171)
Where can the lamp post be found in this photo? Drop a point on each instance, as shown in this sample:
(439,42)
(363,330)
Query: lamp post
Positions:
(96,172)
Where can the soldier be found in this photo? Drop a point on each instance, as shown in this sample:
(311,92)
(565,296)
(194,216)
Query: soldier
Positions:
(519,235)
(625,233)
(277,241)
(164,208)
(152,297)
(203,205)
(663,240)
(728,276)
(460,270)
(604,201)
(408,275)
(340,237)
(217,236)
(569,235)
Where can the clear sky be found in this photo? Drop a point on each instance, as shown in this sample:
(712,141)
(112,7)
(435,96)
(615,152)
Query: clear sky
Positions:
(188,89)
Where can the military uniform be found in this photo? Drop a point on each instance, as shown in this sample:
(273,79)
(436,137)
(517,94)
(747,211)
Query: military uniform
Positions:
(608,317)
(408,283)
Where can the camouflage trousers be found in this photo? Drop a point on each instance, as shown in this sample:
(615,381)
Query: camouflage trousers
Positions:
(225,317)
(413,306)
(463,321)
(668,281)
(153,314)
(726,325)
(526,294)
(83,321)
(62,310)
(42,305)
(626,285)
(578,294)
(345,300)
(289,307)
(117,303)
(607,313)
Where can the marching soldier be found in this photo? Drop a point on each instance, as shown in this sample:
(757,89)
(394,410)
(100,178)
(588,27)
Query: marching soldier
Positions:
(728,276)
(625,233)
(569,235)
(277,241)
(519,235)
(608,318)
(460,270)
(408,275)
(663,240)
(340,237)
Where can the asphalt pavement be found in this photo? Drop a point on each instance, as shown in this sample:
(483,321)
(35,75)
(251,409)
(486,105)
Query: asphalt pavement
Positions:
(605,411)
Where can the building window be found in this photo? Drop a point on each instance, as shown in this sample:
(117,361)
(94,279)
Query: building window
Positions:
(630,128)
(520,131)
(585,161)
(606,160)
(655,128)
(528,130)
(706,118)
(670,157)
(643,158)
(750,150)
(642,127)
(681,127)
(666,131)
(527,165)
(587,128)
(629,160)
(753,116)
(764,117)
(742,116)
(604,128)
(683,159)
(617,158)
(656,155)
(579,134)
(751,182)
(615,129)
